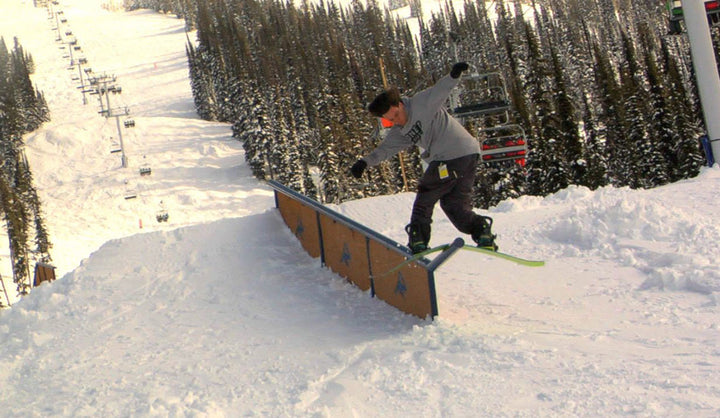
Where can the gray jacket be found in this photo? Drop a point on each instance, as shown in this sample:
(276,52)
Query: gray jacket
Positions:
(440,136)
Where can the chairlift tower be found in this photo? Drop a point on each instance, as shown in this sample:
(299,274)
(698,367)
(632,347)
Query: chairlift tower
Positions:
(76,62)
(99,86)
(57,23)
(69,43)
(117,113)
(105,85)
(80,62)
(706,70)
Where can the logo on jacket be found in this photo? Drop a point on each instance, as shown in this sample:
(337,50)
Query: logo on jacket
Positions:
(415,132)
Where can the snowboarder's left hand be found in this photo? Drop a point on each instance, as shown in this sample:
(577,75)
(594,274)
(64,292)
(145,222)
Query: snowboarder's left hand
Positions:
(358,168)
(458,68)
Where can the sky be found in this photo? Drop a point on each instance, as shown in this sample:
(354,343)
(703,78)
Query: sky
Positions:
(219,312)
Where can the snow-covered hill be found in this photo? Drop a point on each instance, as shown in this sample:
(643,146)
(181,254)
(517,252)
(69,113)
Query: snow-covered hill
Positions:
(219,312)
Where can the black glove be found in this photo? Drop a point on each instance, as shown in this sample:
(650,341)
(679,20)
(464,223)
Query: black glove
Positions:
(358,168)
(458,68)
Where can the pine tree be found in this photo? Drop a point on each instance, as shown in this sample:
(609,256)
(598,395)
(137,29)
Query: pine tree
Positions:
(547,169)
(32,111)
(250,130)
(610,115)
(595,153)
(16,220)
(642,159)
(687,157)
(200,83)
(22,109)
(660,121)
(571,145)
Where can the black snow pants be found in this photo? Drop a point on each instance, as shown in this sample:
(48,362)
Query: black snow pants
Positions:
(453,188)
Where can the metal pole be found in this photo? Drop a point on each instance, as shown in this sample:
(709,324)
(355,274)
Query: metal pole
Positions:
(70,49)
(107,97)
(57,26)
(5,290)
(706,70)
(100,87)
(82,82)
(122,146)
(456,245)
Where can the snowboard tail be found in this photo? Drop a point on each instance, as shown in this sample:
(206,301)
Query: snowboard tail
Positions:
(504,256)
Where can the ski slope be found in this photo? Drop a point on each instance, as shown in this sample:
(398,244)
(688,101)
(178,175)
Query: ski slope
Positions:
(220,313)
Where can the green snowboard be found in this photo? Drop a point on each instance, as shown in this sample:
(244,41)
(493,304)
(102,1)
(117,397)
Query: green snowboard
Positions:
(508,257)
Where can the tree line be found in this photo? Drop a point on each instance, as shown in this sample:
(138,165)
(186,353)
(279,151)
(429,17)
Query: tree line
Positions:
(22,109)
(604,95)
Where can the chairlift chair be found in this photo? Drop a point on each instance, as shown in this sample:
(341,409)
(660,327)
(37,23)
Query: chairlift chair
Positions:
(674,7)
(114,146)
(481,95)
(130,192)
(145,168)
(162,214)
(503,143)
(129,123)
(675,15)
(712,8)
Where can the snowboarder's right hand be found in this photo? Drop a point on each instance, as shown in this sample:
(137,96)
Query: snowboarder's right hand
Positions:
(358,168)
(458,69)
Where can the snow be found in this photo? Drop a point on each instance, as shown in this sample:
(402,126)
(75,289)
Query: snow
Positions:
(220,313)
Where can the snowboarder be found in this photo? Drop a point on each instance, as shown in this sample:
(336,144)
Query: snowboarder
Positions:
(450,151)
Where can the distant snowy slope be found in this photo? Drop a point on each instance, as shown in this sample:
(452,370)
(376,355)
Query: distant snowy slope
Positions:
(197,168)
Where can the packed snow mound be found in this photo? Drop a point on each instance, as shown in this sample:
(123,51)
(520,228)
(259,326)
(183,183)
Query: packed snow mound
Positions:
(202,309)
(651,230)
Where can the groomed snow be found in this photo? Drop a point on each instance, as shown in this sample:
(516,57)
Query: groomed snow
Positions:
(220,313)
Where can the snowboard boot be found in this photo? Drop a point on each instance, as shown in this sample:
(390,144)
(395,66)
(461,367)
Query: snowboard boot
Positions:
(418,237)
(483,236)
